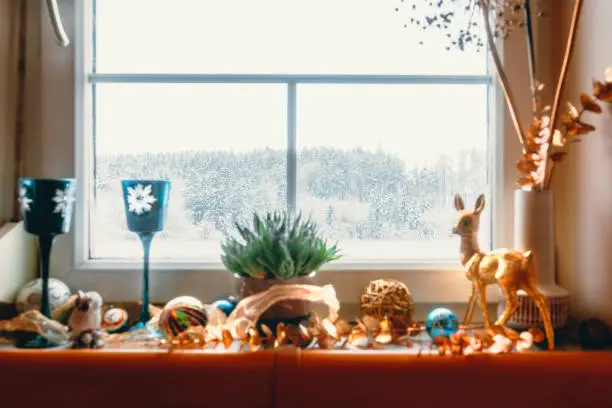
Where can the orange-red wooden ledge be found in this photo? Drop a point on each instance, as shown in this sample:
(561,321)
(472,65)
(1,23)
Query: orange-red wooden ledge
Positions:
(293,378)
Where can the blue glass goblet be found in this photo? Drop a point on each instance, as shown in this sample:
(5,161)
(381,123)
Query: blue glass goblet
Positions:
(46,207)
(146,206)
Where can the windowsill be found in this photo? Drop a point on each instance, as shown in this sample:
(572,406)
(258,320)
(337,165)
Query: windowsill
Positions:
(290,377)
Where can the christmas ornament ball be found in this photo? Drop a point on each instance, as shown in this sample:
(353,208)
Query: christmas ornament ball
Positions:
(28,297)
(177,319)
(226,305)
(441,322)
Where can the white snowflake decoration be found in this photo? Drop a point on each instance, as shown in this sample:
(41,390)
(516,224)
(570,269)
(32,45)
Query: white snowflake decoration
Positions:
(63,199)
(24,201)
(140,199)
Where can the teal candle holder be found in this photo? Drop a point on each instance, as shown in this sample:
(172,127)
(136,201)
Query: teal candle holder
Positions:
(146,207)
(46,208)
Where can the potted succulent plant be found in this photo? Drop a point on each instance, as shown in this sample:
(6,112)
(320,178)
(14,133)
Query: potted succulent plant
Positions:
(278,248)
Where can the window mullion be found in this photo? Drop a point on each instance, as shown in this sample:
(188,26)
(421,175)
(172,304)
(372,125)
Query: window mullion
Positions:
(291,146)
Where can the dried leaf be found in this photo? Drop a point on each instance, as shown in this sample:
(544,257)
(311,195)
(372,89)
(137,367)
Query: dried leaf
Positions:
(526,166)
(384,338)
(572,111)
(343,328)
(558,138)
(358,338)
(227,338)
(580,128)
(371,324)
(602,91)
(268,333)
(598,88)
(589,104)
(525,182)
(524,342)
(538,334)
(587,126)
(330,329)
(557,156)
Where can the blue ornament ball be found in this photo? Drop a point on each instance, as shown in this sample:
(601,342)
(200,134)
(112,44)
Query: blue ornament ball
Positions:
(441,322)
(226,305)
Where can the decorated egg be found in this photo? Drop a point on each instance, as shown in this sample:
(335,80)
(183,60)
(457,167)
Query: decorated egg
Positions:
(226,305)
(114,320)
(28,297)
(177,319)
(441,322)
(185,301)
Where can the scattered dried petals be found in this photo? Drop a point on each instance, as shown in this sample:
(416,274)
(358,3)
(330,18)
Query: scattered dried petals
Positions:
(358,338)
(524,342)
(330,329)
(343,328)
(384,338)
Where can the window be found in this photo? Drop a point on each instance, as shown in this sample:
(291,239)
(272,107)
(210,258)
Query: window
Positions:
(330,107)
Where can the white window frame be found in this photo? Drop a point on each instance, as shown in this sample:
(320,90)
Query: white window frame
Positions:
(59,135)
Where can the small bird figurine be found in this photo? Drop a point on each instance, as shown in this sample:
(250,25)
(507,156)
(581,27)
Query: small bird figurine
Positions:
(85,321)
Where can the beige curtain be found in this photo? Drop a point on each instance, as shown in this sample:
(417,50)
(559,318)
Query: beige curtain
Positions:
(9,46)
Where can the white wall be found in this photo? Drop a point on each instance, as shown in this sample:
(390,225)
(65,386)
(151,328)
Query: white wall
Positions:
(583,184)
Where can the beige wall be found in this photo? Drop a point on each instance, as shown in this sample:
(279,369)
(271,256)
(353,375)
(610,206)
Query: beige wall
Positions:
(583,184)
(8,75)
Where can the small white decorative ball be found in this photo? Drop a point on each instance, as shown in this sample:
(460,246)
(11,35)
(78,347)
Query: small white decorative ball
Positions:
(28,297)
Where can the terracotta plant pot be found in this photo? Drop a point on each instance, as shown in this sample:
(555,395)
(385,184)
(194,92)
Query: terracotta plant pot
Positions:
(284,311)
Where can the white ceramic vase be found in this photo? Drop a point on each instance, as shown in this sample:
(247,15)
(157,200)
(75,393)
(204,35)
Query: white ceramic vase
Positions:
(534,230)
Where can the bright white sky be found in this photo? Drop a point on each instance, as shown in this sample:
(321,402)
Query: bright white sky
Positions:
(280,36)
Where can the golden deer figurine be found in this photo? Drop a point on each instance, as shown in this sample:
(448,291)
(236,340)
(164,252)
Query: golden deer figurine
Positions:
(512,270)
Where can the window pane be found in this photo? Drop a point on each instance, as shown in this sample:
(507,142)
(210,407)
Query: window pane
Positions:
(223,146)
(379,165)
(273,37)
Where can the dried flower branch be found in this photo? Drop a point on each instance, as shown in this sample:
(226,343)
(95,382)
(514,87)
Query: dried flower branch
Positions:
(503,79)
(548,131)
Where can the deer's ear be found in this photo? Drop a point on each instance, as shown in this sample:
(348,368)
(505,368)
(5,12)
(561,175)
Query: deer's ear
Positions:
(459,206)
(480,204)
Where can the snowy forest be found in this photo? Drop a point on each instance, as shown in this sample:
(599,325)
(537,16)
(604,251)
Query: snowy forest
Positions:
(352,194)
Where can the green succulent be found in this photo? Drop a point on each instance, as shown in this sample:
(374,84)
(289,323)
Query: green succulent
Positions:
(276,246)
